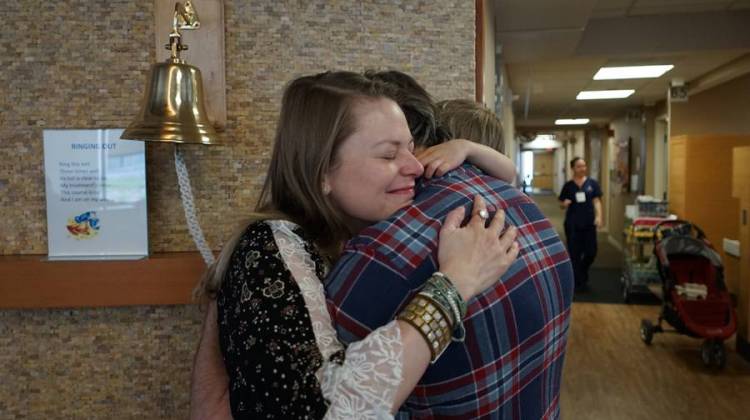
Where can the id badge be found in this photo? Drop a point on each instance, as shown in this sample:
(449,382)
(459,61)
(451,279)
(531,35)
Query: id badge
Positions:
(580,197)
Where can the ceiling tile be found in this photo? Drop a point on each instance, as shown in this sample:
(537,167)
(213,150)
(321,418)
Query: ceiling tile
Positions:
(554,64)
(524,15)
(661,7)
(740,4)
(611,8)
(531,46)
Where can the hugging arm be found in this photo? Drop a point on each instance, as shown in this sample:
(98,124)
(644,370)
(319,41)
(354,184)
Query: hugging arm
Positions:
(472,256)
(439,159)
(280,348)
(291,363)
(378,372)
(474,259)
(209,391)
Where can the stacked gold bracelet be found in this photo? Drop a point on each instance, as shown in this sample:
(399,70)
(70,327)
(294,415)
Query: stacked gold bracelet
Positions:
(432,322)
(436,312)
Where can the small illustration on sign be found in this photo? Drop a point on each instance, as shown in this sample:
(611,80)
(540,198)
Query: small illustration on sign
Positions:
(84,226)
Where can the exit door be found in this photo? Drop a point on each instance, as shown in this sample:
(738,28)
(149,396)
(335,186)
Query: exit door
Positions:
(544,164)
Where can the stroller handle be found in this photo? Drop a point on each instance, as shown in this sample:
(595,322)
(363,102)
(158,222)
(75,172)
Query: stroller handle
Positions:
(657,228)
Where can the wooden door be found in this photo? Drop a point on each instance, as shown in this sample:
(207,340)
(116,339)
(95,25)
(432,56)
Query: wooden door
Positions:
(544,167)
(741,191)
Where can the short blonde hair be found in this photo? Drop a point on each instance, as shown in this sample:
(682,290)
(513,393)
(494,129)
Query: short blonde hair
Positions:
(465,119)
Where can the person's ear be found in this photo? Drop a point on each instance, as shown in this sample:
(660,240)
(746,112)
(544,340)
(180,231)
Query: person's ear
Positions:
(326,187)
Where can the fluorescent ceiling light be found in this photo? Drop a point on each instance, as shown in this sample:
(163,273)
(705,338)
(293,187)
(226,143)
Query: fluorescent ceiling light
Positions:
(632,72)
(543,141)
(604,94)
(572,121)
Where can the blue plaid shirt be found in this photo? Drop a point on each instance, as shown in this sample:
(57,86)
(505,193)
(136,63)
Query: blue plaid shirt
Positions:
(510,365)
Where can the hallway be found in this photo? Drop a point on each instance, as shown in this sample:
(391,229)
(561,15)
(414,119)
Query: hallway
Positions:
(611,374)
(607,256)
(604,284)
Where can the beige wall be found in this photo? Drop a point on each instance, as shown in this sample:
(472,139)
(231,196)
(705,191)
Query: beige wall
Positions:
(492,72)
(604,181)
(648,159)
(659,154)
(488,55)
(509,122)
(725,109)
(82,64)
(595,155)
(618,196)
(741,191)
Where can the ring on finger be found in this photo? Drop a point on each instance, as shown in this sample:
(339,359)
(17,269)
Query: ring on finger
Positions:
(484,214)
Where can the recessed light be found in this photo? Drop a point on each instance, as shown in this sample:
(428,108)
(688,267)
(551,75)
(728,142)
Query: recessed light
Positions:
(543,141)
(632,72)
(604,94)
(572,121)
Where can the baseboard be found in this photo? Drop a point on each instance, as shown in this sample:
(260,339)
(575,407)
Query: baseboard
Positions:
(743,348)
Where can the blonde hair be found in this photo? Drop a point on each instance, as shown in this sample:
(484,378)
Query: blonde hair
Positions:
(316,117)
(465,119)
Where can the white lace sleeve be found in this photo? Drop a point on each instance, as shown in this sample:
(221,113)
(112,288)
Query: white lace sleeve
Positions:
(364,384)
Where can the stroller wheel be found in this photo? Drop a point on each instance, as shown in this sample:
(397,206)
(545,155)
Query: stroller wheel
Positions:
(625,292)
(647,331)
(719,354)
(707,352)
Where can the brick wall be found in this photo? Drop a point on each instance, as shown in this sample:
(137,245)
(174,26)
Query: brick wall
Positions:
(82,64)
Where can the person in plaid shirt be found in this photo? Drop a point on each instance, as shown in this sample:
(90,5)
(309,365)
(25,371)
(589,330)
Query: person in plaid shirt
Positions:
(509,365)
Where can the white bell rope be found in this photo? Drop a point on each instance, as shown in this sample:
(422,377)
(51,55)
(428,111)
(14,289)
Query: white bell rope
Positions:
(186,193)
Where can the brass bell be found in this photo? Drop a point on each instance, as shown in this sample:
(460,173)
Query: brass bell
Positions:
(173,105)
(172,108)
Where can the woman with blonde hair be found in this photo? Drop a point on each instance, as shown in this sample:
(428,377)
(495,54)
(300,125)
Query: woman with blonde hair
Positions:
(342,159)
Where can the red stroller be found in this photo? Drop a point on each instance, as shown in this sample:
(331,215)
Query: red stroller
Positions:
(695,300)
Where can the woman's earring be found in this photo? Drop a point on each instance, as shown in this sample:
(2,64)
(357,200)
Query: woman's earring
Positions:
(326,188)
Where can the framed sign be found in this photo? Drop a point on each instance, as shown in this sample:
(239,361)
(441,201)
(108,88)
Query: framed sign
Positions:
(96,195)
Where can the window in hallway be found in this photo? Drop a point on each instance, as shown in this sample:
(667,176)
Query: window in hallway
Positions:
(527,168)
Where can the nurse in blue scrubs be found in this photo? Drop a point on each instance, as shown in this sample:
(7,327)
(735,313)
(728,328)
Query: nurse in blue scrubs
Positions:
(581,198)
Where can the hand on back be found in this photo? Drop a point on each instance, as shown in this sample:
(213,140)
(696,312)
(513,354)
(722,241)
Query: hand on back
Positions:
(475,256)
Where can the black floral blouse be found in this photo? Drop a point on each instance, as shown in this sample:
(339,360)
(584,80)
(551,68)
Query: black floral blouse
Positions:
(266,335)
(279,345)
